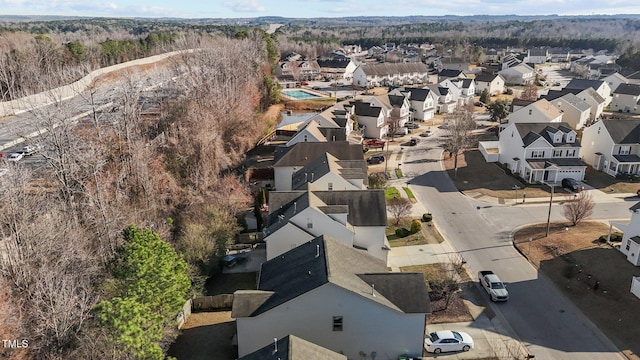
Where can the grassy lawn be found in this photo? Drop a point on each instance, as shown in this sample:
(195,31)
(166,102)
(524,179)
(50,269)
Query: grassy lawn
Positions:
(575,260)
(398,173)
(391,193)
(409,193)
(428,235)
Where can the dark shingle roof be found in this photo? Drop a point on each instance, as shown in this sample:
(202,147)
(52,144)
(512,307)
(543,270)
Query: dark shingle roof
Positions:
(486,76)
(323,260)
(365,109)
(334,63)
(530,132)
(628,89)
(583,84)
(302,153)
(447,73)
(623,131)
(293,348)
(418,94)
(333,134)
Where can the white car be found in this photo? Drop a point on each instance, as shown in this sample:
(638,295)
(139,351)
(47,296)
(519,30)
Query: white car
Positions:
(448,340)
(15,157)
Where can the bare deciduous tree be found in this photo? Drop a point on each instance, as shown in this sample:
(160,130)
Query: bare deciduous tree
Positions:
(459,125)
(530,92)
(399,208)
(580,208)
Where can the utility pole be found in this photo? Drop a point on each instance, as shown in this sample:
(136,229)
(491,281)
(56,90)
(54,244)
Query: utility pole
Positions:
(552,186)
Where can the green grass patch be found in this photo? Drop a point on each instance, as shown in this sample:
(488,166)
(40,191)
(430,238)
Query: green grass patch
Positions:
(391,192)
(398,173)
(409,193)
(413,239)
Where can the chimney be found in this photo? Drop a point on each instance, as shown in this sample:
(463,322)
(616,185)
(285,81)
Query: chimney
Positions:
(311,177)
(295,206)
(317,251)
(373,288)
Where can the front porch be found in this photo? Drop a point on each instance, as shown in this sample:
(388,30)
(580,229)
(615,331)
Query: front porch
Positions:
(552,170)
(624,165)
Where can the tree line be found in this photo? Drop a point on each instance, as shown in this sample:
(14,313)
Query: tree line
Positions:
(134,206)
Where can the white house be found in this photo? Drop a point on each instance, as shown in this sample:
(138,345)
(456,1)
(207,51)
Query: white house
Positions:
(612,146)
(292,347)
(313,132)
(541,111)
(595,101)
(371,117)
(447,102)
(398,74)
(601,87)
(626,98)
(329,173)
(630,245)
(423,102)
(537,56)
(288,160)
(337,297)
(494,83)
(614,80)
(337,69)
(541,152)
(357,218)
(520,74)
(575,112)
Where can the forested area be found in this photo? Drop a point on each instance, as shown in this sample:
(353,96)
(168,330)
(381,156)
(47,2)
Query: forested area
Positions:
(102,247)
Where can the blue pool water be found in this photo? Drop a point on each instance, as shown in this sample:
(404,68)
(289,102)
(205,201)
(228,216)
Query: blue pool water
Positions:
(300,94)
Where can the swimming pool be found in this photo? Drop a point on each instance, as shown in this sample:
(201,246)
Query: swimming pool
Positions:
(300,94)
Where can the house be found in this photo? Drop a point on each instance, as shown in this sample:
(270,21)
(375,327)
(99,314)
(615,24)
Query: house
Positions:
(462,90)
(537,56)
(423,102)
(613,146)
(494,83)
(371,118)
(630,245)
(601,87)
(539,151)
(626,98)
(356,218)
(328,173)
(492,56)
(288,160)
(589,66)
(292,347)
(447,102)
(541,111)
(520,74)
(559,54)
(298,70)
(450,74)
(398,74)
(336,297)
(337,69)
(517,104)
(614,80)
(575,112)
(312,131)
(509,61)
(451,63)
(589,96)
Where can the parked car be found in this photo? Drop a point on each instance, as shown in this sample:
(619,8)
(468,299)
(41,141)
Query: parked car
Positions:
(572,184)
(30,149)
(304,83)
(411,125)
(374,143)
(426,133)
(376,159)
(413,141)
(448,340)
(493,285)
(402,131)
(15,157)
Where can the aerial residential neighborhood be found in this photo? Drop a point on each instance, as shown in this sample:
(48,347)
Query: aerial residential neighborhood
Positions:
(359,187)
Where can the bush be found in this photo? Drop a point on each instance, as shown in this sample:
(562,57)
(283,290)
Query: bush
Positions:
(509,91)
(416,226)
(402,232)
(427,217)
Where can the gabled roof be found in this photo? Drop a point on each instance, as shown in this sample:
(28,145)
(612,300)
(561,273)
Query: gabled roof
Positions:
(584,83)
(554,94)
(302,153)
(292,347)
(394,68)
(544,107)
(625,131)
(323,165)
(418,94)
(448,73)
(486,76)
(575,102)
(363,108)
(592,93)
(466,83)
(531,132)
(538,52)
(325,260)
(520,68)
(628,89)
(334,63)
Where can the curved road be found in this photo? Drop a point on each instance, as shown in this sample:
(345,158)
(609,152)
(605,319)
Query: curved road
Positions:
(548,324)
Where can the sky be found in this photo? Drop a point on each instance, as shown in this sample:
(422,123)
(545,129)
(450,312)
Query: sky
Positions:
(313,8)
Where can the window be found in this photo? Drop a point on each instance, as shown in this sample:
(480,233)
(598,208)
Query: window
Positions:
(309,223)
(557,153)
(571,152)
(624,150)
(628,245)
(537,154)
(337,323)
(330,186)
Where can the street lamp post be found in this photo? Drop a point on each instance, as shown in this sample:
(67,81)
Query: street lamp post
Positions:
(516,187)
(552,186)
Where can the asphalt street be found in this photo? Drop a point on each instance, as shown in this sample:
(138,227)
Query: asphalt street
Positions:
(549,325)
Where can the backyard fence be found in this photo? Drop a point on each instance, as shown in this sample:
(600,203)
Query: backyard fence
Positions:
(204,303)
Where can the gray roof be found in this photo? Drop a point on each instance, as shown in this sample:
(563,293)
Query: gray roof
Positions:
(631,158)
(447,73)
(348,169)
(366,109)
(623,131)
(394,68)
(575,101)
(418,94)
(628,89)
(333,134)
(292,347)
(325,260)
(557,162)
(302,153)
(583,84)
(531,132)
